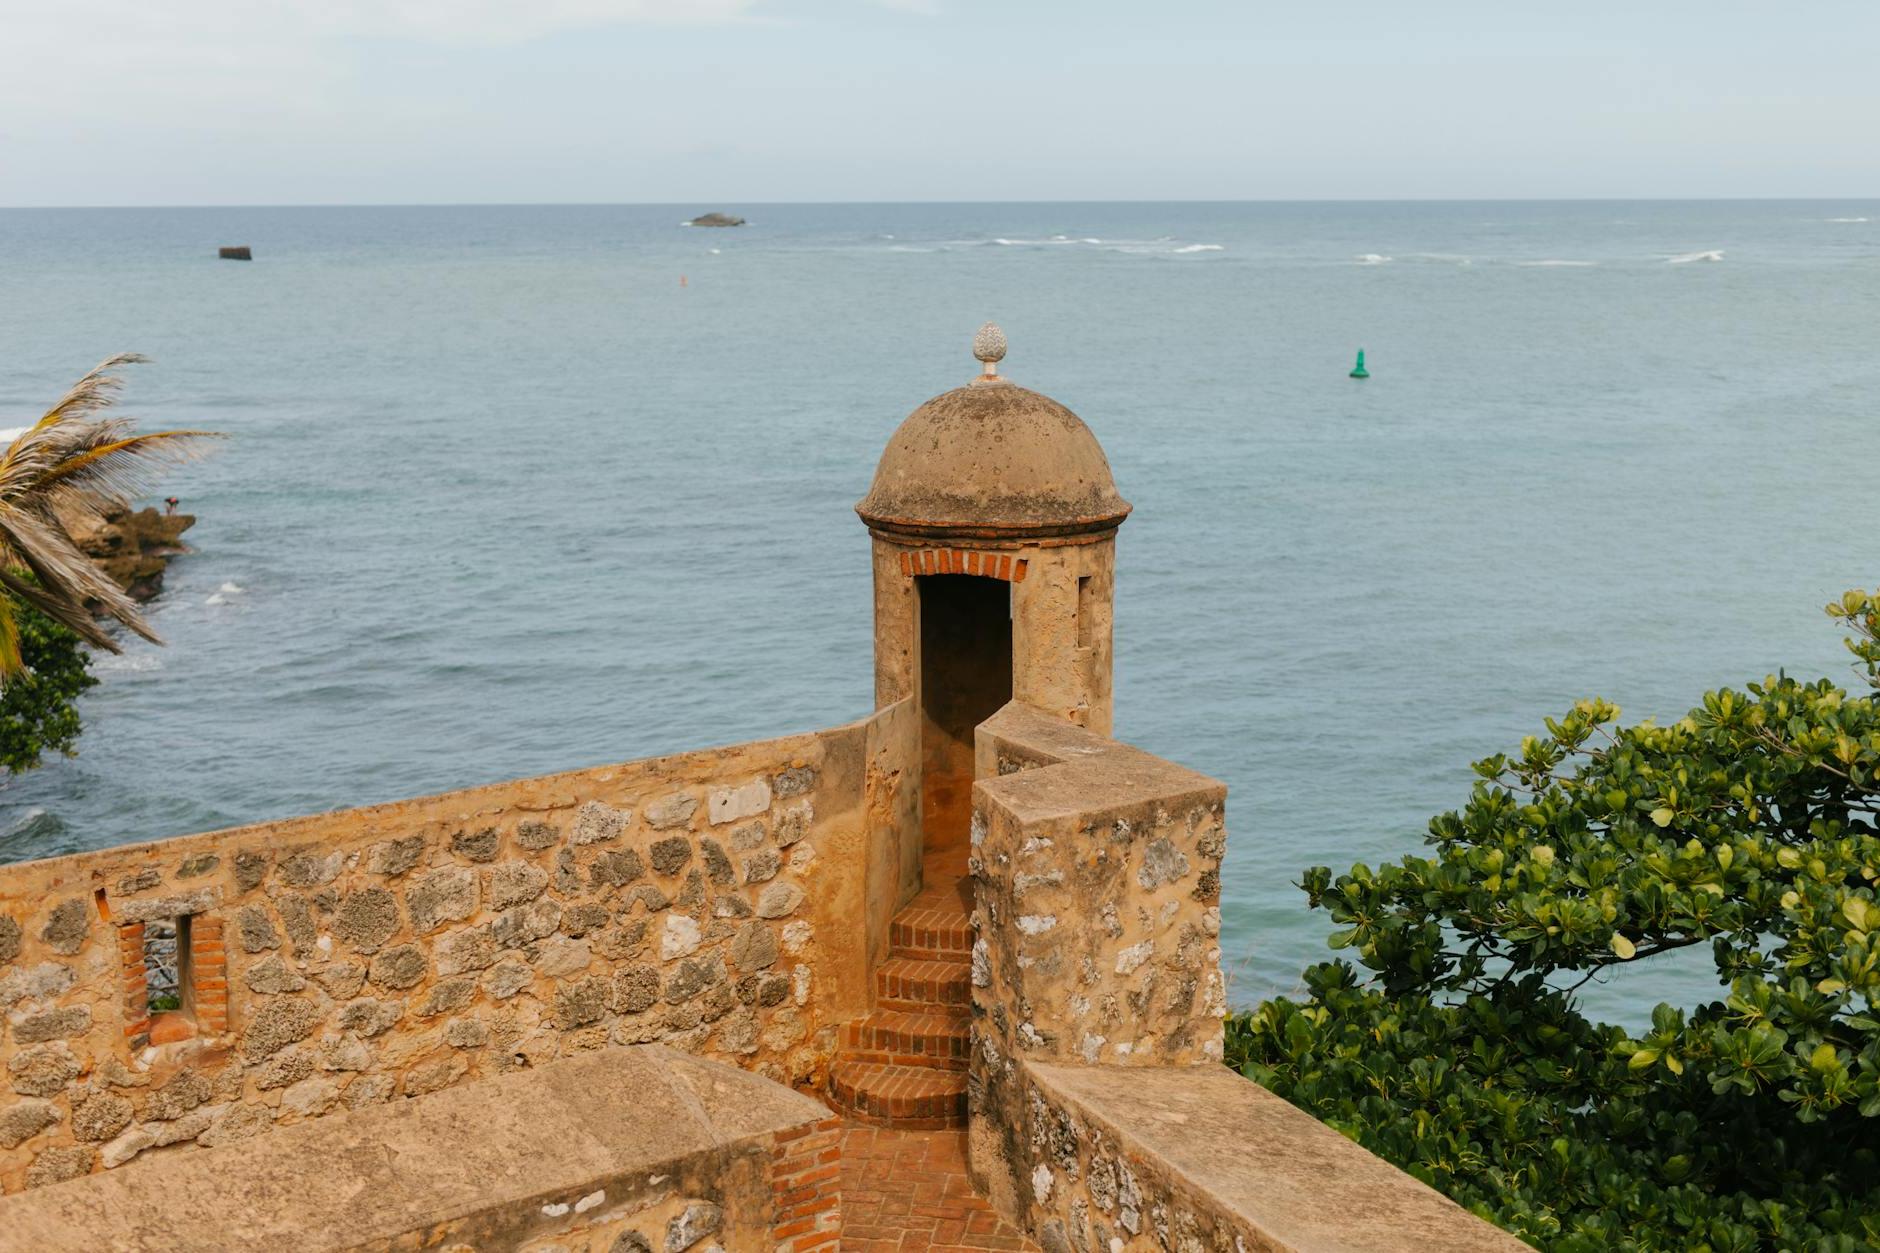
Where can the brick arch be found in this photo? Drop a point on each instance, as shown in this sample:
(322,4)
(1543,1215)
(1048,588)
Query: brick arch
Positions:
(992,565)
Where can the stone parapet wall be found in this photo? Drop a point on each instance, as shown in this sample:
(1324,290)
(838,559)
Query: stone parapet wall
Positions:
(1204,1161)
(723,902)
(624,1150)
(1097,879)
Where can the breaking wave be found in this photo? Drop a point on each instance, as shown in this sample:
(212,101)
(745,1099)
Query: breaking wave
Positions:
(1371,258)
(1715,254)
(1847,219)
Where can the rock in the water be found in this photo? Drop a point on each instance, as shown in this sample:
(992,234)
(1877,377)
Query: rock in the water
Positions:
(131,548)
(235,252)
(716,219)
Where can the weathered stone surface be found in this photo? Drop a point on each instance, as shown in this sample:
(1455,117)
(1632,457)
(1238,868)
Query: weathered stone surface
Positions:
(717,864)
(595,822)
(310,868)
(516,882)
(762,866)
(198,865)
(671,811)
(310,1097)
(630,1242)
(681,936)
(370,1017)
(729,804)
(467,1033)
(671,854)
(297,916)
(650,896)
(183,1092)
(101,1116)
(256,929)
(748,836)
(1162,863)
(534,834)
(441,896)
(635,989)
(23,1120)
(67,926)
(526,923)
(479,845)
(561,956)
(432,1076)
(54,1024)
(145,879)
(580,1002)
(394,857)
(754,947)
(188,1127)
(691,894)
(616,867)
(243,1122)
(43,1069)
(58,1165)
(794,823)
(278,1022)
(347,1054)
(779,900)
(797,781)
(154,908)
(398,968)
(507,978)
(9,938)
(342,980)
(448,997)
(251,868)
(289,1066)
(44,980)
(366,919)
(766,989)
(693,976)
(700,1219)
(578,920)
(466,949)
(369,1090)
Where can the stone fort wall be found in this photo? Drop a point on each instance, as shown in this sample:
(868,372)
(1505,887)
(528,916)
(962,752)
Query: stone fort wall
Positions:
(726,903)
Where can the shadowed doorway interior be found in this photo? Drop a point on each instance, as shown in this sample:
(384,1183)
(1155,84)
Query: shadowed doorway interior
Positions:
(965,678)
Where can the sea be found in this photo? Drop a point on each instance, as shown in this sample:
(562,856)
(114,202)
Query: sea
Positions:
(516,489)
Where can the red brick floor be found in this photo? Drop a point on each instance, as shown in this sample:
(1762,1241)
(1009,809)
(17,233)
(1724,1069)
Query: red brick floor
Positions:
(904,1191)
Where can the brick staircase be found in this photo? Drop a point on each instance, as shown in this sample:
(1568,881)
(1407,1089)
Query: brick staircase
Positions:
(904,1065)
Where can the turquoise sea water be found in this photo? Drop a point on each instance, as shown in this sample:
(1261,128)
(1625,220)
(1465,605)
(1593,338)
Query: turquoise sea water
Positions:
(502,497)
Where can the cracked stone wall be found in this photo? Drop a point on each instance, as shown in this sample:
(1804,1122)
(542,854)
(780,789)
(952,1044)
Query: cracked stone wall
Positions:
(717,902)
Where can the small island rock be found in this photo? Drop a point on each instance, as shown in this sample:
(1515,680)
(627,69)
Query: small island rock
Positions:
(716,219)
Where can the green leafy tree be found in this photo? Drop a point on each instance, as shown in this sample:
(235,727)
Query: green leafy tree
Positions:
(1456,1047)
(38,713)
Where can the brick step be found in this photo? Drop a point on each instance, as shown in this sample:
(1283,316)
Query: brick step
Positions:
(929,933)
(914,1098)
(888,1036)
(913,985)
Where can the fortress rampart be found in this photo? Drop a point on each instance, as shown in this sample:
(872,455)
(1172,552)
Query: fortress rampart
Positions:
(971,907)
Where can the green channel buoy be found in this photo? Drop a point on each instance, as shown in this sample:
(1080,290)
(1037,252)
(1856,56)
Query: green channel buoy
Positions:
(1358,371)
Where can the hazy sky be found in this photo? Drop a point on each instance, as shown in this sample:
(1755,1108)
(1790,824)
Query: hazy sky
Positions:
(732,102)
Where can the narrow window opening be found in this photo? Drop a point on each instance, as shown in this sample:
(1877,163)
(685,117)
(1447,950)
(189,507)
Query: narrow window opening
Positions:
(166,965)
(1086,613)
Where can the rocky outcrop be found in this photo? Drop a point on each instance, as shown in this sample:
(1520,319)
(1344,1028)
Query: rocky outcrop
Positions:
(716,219)
(132,548)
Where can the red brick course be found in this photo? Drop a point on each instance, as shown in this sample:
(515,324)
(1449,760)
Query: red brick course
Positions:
(907,1190)
(806,1187)
(992,565)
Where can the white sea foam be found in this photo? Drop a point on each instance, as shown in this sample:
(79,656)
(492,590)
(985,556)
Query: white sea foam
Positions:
(1452,258)
(1847,219)
(1201,248)
(1550,263)
(1371,258)
(12,433)
(217,599)
(1687,257)
(231,589)
(1164,246)
(125,663)
(714,251)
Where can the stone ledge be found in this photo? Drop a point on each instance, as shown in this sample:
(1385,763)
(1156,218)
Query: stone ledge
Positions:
(499,1162)
(1087,773)
(1262,1165)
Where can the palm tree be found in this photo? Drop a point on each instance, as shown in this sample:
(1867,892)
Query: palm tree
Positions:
(78,459)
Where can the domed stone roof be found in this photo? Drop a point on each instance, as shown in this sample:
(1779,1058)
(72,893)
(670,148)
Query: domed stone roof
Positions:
(992,460)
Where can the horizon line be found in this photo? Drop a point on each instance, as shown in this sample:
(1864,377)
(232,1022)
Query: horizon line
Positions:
(684,204)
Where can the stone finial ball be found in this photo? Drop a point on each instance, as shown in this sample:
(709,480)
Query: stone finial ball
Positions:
(989,344)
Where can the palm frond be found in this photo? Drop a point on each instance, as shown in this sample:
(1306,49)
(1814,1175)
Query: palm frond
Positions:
(115,469)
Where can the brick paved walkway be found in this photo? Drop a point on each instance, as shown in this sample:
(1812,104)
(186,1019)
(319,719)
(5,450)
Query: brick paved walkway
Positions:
(907,1190)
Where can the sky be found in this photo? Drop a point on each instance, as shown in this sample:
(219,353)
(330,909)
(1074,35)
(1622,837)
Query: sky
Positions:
(738,102)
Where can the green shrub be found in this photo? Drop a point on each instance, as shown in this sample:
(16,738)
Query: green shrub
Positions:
(1461,1054)
(37,713)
